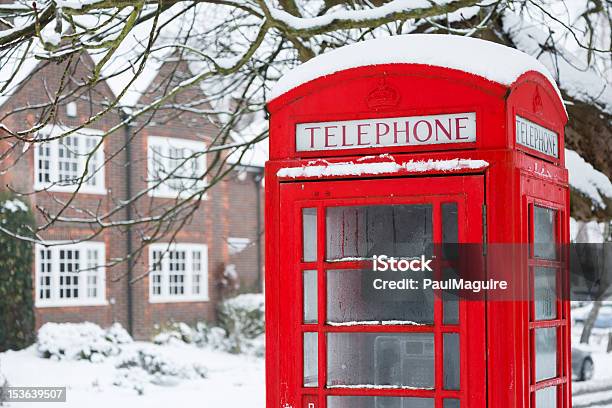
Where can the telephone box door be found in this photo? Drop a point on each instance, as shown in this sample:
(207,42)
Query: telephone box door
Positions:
(346,343)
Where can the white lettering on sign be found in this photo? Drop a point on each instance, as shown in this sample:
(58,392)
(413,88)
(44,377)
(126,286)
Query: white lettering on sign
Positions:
(536,137)
(405,131)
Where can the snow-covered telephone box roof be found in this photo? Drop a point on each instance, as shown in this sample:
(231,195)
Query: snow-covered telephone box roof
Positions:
(492,61)
(415,94)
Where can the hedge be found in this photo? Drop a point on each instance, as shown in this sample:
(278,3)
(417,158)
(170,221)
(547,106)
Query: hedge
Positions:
(16,256)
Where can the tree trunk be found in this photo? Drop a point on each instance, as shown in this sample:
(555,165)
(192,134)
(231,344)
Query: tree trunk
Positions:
(609,349)
(590,322)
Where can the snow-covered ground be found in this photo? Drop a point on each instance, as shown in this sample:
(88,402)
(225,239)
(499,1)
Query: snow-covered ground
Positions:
(232,380)
(596,392)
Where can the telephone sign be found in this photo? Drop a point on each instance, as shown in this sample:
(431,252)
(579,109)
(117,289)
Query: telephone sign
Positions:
(536,137)
(386,132)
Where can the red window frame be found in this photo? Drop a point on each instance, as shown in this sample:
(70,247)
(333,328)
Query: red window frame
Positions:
(562,379)
(468,193)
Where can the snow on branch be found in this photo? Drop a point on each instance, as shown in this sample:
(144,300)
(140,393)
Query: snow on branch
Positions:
(394,10)
(577,78)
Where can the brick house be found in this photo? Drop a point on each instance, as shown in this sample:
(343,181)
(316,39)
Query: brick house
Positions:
(180,282)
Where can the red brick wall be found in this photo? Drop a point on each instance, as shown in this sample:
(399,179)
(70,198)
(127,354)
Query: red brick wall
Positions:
(228,210)
(243,224)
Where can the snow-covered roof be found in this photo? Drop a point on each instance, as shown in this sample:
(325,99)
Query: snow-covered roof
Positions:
(487,59)
(11,70)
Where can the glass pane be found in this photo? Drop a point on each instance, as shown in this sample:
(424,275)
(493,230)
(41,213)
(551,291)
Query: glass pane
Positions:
(311,358)
(310,296)
(546,398)
(450,230)
(451,403)
(309,234)
(394,230)
(451,361)
(379,402)
(546,353)
(379,359)
(450,298)
(545,296)
(352,298)
(544,233)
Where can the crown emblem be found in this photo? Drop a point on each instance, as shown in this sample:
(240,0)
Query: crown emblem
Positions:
(537,102)
(382,97)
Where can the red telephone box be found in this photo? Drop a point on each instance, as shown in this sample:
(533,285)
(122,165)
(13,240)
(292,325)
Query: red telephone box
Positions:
(391,158)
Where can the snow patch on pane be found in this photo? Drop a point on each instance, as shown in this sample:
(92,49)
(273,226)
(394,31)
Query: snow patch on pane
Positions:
(376,322)
(326,169)
(350,259)
(380,387)
(447,51)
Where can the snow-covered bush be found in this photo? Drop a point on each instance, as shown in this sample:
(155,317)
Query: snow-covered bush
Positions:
(148,365)
(118,335)
(80,341)
(242,318)
(203,335)
(240,330)
(174,332)
(133,377)
(212,336)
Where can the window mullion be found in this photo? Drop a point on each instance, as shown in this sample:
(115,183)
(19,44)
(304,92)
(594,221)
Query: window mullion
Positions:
(82,249)
(165,162)
(81,141)
(54,161)
(99,177)
(101,272)
(202,159)
(188,272)
(54,262)
(165,278)
(203,269)
(152,273)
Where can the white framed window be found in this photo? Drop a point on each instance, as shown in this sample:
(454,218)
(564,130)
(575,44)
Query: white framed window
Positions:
(178,272)
(70,274)
(172,160)
(60,163)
